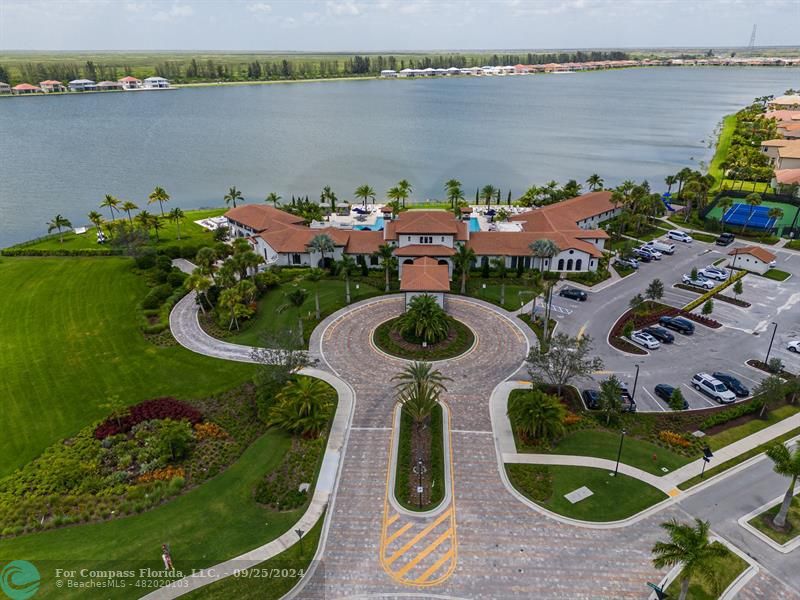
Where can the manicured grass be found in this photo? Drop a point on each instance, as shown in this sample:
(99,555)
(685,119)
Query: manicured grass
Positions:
(623,271)
(726,569)
(763,522)
(70,341)
(613,498)
(776,274)
(651,234)
(636,453)
(462,341)
(537,327)
(723,147)
(211,523)
(793,245)
(513,298)
(405,462)
(291,565)
(191,233)
(739,459)
(276,313)
(734,434)
(760,187)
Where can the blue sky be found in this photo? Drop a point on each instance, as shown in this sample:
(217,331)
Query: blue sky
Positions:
(384,25)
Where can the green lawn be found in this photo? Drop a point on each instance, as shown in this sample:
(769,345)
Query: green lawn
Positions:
(776,275)
(275,312)
(71,341)
(191,233)
(636,453)
(763,522)
(793,245)
(213,522)
(613,498)
(726,568)
(292,564)
(734,434)
(723,147)
(516,293)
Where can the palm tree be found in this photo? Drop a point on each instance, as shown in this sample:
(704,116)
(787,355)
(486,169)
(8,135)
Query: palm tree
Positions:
(111,203)
(395,194)
(682,176)
(610,398)
(689,547)
(752,201)
(232,196)
(725,202)
(328,195)
(487,193)
(314,275)
(419,375)
(274,198)
(346,267)
(424,319)
(205,259)
(96,219)
(322,243)
(229,299)
(670,180)
(365,192)
(156,223)
(692,193)
(463,259)
(537,415)
(405,190)
(595,182)
(545,249)
(453,189)
(128,206)
(302,407)
(388,261)
(158,195)
(176,214)
(775,213)
(787,463)
(145,220)
(200,284)
(58,223)
(418,403)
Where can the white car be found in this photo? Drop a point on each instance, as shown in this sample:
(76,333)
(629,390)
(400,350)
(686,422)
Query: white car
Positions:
(645,339)
(681,236)
(794,346)
(700,282)
(712,272)
(773,264)
(703,382)
(652,251)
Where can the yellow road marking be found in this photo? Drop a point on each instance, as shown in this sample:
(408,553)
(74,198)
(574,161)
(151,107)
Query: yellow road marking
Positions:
(434,567)
(392,519)
(582,329)
(674,492)
(414,561)
(418,537)
(398,533)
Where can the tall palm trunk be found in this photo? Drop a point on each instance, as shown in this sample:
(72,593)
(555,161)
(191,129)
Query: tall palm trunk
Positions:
(347,289)
(684,588)
(178,224)
(463,282)
(780,518)
(316,302)
(386,273)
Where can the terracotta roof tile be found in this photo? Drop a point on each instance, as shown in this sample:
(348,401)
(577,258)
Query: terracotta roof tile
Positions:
(364,242)
(423,276)
(260,217)
(760,253)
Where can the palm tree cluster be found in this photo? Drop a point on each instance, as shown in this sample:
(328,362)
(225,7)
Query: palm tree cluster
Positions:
(143,221)
(536,415)
(424,320)
(551,192)
(455,195)
(302,407)
(639,206)
(418,388)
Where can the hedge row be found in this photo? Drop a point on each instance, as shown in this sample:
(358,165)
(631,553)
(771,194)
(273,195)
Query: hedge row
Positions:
(61,252)
(740,410)
(713,292)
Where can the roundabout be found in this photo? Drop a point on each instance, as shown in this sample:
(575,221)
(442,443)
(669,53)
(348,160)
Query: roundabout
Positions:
(387,339)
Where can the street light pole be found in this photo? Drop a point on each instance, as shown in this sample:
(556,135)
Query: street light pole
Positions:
(419,486)
(772,339)
(619,451)
(635,380)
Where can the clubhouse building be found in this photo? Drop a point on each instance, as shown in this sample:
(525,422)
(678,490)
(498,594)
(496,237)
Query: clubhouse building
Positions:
(282,238)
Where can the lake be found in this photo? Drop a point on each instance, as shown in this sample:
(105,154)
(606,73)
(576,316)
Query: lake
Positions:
(63,154)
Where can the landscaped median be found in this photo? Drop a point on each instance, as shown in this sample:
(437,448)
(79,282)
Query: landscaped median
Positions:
(718,574)
(785,536)
(713,292)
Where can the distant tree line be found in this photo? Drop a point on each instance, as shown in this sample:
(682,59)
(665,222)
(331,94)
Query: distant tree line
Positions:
(193,69)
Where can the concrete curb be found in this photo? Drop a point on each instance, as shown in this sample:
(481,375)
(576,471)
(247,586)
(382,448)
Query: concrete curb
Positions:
(782,548)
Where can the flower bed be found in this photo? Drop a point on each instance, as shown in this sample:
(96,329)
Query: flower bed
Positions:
(149,410)
(460,338)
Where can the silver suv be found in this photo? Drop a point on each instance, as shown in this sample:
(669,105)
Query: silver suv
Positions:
(714,388)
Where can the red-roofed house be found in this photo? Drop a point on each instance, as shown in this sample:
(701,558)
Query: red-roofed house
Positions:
(51,85)
(25,88)
(130,83)
(752,258)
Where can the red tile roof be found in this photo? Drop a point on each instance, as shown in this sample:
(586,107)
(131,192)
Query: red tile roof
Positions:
(503,243)
(425,221)
(25,86)
(787,176)
(424,275)
(129,79)
(260,217)
(364,242)
(760,253)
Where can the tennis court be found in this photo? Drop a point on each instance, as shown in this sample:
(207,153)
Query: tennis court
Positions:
(738,213)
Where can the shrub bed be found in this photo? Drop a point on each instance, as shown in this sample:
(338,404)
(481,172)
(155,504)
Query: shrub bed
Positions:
(762,366)
(534,481)
(729,414)
(280,489)
(713,292)
(731,300)
(460,339)
(149,410)
(406,481)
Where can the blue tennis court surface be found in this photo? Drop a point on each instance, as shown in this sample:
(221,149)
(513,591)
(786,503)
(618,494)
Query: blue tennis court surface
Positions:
(756,217)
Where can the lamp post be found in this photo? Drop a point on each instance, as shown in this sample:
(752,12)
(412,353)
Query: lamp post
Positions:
(300,533)
(707,456)
(619,451)
(635,381)
(420,469)
(772,339)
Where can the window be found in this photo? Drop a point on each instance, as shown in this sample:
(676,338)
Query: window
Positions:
(560,264)
(578,264)
(295,259)
(569,265)
(373,261)
(425,239)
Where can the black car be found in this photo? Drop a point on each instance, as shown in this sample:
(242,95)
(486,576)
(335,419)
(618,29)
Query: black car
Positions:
(732,384)
(725,239)
(678,324)
(642,256)
(573,293)
(661,334)
(665,391)
(591,398)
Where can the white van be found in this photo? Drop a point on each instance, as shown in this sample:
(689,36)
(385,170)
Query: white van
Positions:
(661,246)
(681,236)
(703,382)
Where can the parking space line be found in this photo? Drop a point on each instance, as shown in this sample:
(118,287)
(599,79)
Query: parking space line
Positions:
(743,376)
(658,404)
(696,393)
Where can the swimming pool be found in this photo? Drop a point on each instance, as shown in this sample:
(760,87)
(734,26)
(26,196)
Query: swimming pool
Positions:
(474,225)
(377,226)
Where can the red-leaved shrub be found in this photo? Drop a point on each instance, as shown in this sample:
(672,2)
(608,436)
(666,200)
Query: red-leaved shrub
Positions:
(149,410)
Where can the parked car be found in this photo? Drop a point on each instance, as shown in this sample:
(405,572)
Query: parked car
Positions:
(700,282)
(628,404)
(665,391)
(712,272)
(661,334)
(725,239)
(793,346)
(712,387)
(573,294)
(678,324)
(645,339)
(642,255)
(661,246)
(591,398)
(681,236)
(631,263)
(651,251)
(732,384)
(772,264)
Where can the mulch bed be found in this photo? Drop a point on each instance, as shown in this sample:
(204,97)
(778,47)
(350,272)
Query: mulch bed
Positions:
(624,345)
(398,339)
(734,301)
(421,438)
(459,340)
(761,366)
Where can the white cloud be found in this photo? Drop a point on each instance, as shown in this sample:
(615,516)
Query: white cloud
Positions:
(176,11)
(261,8)
(343,8)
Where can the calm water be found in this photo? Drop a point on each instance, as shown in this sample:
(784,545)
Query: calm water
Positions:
(62,154)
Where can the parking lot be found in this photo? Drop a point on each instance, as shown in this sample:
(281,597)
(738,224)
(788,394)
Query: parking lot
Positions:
(745,333)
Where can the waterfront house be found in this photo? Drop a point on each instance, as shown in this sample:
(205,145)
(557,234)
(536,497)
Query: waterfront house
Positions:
(388,73)
(790,102)
(752,258)
(787,181)
(771,147)
(25,88)
(51,85)
(788,156)
(130,83)
(82,85)
(155,83)
(105,86)
(4,88)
